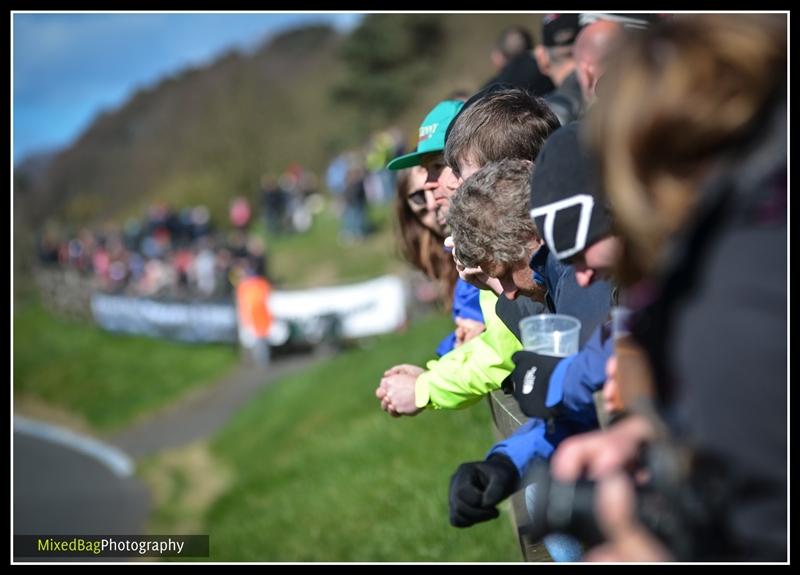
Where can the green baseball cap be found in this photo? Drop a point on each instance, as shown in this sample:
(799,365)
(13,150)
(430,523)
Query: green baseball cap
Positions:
(431,134)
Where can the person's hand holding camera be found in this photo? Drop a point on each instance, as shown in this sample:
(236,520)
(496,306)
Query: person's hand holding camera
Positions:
(478,486)
(626,538)
(601,453)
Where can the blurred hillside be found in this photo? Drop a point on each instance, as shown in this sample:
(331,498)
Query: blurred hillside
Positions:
(208,134)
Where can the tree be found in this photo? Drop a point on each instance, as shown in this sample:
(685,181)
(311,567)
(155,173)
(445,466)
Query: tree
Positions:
(388,57)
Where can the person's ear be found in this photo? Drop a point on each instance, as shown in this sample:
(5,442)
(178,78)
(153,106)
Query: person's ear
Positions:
(542,59)
(497,59)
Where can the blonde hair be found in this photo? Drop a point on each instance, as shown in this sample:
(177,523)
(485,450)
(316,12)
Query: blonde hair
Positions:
(676,100)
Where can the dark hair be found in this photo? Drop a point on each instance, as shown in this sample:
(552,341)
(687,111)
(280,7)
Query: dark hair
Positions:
(505,123)
(514,41)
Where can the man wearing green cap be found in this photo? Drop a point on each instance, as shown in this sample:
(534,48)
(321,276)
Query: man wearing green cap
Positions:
(430,152)
(431,135)
(467,373)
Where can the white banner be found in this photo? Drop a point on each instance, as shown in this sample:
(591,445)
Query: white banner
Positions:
(195,321)
(368,308)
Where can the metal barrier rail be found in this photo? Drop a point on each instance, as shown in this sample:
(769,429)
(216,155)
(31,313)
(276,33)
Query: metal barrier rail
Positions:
(506,418)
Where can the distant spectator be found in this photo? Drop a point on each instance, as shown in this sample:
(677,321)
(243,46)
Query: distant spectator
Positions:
(513,59)
(240,212)
(273,204)
(556,60)
(354,219)
(255,319)
(205,270)
(201,222)
(257,255)
(336,174)
(47,248)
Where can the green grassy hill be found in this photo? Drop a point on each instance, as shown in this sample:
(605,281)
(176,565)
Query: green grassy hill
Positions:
(85,377)
(315,471)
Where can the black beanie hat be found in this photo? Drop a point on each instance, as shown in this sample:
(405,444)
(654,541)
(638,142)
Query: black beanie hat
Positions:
(566,204)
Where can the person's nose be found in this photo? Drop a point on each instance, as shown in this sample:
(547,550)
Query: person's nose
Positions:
(509,288)
(584,277)
(430,201)
(436,190)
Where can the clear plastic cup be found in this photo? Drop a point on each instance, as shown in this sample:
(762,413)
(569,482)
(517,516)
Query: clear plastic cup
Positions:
(551,334)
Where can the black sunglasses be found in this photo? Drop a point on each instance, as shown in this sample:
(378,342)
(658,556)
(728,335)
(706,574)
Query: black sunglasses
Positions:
(417,198)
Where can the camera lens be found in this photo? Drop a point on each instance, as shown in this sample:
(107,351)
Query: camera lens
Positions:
(559,507)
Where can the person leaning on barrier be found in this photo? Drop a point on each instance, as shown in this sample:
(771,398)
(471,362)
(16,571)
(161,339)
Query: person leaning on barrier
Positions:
(421,236)
(693,142)
(489,212)
(500,123)
(555,59)
(465,374)
(512,123)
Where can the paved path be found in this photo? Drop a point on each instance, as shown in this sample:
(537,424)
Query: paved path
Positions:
(60,490)
(204,412)
(65,483)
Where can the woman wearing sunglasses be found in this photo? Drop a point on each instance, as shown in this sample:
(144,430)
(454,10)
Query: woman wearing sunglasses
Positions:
(421,239)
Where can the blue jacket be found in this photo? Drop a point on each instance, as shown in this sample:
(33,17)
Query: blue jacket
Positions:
(572,384)
(465,304)
(590,304)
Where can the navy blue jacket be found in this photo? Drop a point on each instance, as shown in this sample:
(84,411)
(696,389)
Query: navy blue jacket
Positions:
(591,305)
(572,384)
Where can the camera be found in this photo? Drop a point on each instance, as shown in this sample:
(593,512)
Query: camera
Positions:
(681,504)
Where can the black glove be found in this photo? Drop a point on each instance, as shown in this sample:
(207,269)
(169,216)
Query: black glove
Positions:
(531,377)
(478,486)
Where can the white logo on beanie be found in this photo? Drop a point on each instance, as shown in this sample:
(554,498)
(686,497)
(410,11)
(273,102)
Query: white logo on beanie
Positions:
(549,211)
